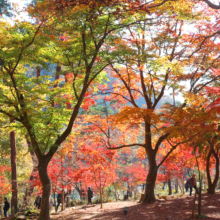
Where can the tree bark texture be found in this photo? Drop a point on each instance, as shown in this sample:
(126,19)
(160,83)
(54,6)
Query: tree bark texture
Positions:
(46,187)
(101,195)
(62,207)
(149,196)
(169,186)
(14,199)
(212,184)
(115,192)
(176,185)
(30,189)
(55,203)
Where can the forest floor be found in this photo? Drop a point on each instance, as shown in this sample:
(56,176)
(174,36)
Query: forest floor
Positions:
(170,209)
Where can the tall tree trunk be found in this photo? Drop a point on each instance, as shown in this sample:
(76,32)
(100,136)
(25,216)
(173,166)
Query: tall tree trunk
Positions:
(106,113)
(115,189)
(183,185)
(30,189)
(55,203)
(200,188)
(212,185)
(101,198)
(68,198)
(176,185)
(14,199)
(62,207)
(149,196)
(46,187)
(169,186)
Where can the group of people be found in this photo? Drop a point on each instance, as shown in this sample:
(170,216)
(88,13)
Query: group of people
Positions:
(37,202)
(190,184)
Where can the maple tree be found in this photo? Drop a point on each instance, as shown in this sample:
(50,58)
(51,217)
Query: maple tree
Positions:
(5,186)
(27,100)
(208,145)
(97,168)
(37,104)
(154,60)
(62,177)
(134,175)
(95,162)
(149,54)
(209,159)
(176,165)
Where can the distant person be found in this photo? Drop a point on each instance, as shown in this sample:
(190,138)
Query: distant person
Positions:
(59,200)
(6,207)
(187,186)
(192,183)
(90,195)
(37,202)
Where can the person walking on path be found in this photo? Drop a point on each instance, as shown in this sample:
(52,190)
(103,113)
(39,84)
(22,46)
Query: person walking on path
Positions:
(59,199)
(37,202)
(6,207)
(192,183)
(90,195)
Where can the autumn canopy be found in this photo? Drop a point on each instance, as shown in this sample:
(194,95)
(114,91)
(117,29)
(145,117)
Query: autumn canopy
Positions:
(118,95)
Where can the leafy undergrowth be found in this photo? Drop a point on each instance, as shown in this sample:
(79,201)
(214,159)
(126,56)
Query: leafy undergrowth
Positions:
(171,209)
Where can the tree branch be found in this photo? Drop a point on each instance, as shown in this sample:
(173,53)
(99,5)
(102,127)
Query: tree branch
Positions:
(211,5)
(123,146)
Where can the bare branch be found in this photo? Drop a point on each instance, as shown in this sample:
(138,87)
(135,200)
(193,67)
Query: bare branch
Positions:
(123,146)
(211,5)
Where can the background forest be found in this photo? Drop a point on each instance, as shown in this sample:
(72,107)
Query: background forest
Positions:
(121,96)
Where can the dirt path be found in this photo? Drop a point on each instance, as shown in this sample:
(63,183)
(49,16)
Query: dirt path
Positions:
(93,212)
(171,209)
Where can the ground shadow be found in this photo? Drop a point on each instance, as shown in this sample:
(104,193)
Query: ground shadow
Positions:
(175,209)
(170,209)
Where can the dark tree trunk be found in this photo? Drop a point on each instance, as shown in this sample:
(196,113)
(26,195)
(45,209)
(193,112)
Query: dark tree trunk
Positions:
(212,185)
(149,196)
(62,207)
(46,187)
(115,192)
(101,196)
(68,203)
(14,199)
(62,199)
(169,186)
(200,189)
(55,203)
(30,189)
(200,200)
(176,186)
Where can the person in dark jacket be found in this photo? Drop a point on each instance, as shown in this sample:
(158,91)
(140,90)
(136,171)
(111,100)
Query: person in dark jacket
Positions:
(90,195)
(37,202)
(192,183)
(59,200)
(186,186)
(6,207)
